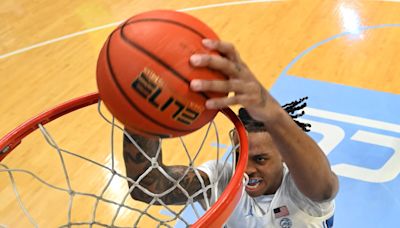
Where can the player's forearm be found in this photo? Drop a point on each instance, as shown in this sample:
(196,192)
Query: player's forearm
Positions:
(148,181)
(138,165)
(152,180)
(306,161)
(157,183)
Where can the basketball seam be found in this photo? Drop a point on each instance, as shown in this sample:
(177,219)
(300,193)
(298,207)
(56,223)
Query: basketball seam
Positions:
(168,21)
(153,56)
(126,96)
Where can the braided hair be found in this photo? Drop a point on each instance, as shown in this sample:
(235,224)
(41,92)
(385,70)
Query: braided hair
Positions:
(291,108)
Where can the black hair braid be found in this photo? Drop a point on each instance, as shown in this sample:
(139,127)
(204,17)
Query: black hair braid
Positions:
(295,105)
(304,126)
(249,123)
(291,108)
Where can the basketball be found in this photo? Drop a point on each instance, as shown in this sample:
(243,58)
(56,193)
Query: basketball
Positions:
(143,74)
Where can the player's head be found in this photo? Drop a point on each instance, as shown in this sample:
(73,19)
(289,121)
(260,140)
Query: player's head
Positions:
(265,163)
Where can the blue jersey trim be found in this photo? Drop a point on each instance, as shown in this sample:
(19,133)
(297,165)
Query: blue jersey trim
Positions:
(329,222)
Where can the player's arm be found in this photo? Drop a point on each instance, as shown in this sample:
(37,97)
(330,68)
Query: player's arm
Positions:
(155,181)
(308,164)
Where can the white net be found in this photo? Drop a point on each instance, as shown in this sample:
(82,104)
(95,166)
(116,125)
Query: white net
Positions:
(84,183)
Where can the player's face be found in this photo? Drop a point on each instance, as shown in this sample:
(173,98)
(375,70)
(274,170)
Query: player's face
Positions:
(265,167)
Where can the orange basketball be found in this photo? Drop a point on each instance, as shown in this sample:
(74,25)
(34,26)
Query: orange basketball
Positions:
(143,74)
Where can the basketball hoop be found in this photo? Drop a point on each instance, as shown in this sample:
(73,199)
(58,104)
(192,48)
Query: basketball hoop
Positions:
(215,216)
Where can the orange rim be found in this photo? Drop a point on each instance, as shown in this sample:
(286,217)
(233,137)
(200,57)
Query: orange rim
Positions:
(213,217)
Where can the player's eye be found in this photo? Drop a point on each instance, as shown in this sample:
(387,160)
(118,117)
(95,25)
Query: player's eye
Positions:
(261,158)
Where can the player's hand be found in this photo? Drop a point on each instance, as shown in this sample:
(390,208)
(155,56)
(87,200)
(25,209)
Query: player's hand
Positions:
(244,87)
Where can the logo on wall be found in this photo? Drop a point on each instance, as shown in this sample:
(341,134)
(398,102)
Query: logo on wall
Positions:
(359,131)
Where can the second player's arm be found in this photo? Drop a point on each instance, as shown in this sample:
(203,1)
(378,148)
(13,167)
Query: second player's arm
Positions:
(155,181)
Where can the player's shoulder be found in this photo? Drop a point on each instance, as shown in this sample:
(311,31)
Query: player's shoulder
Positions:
(215,168)
(215,165)
(310,207)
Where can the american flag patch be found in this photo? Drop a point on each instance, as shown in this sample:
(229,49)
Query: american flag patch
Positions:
(281,212)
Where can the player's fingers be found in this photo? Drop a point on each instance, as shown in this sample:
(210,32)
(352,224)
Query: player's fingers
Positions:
(216,62)
(218,103)
(224,86)
(245,94)
(225,48)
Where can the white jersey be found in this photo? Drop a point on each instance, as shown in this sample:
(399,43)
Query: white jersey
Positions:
(287,208)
